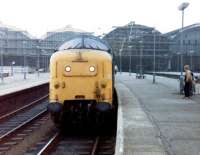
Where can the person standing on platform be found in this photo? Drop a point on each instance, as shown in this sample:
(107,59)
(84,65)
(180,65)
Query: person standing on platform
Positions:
(188,82)
(116,69)
(193,89)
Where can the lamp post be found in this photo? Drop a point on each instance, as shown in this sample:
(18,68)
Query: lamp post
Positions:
(48,62)
(130,53)
(120,50)
(191,64)
(120,61)
(154,56)
(38,61)
(24,58)
(12,64)
(45,58)
(178,61)
(141,55)
(2,34)
(130,60)
(182,7)
(2,79)
(45,63)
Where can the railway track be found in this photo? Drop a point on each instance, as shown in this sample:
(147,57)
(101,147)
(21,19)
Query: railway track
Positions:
(15,130)
(75,145)
(14,135)
(17,124)
(21,109)
(85,140)
(15,100)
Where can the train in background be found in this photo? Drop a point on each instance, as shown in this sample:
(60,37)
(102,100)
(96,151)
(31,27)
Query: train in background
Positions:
(81,80)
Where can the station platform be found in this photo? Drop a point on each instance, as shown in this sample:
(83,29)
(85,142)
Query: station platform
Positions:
(17,82)
(155,119)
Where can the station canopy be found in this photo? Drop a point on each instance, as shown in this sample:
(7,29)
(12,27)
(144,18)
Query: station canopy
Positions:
(85,42)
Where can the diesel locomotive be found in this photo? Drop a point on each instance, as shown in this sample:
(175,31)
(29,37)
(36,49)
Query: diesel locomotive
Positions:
(81,79)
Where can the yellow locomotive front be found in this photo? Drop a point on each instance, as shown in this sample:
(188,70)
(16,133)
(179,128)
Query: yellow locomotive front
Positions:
(81,77)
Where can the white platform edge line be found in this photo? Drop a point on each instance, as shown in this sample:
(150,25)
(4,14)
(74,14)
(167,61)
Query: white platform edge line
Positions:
(119,148)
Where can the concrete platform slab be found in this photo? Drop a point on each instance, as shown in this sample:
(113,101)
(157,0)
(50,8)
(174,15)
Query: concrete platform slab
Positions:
(16,82)
(176,120)
(136,134)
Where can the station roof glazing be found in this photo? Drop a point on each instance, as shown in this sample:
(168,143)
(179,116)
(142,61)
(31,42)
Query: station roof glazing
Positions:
(6,28)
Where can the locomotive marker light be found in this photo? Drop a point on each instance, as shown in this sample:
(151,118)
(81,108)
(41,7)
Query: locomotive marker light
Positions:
(56,85)
(92,68)
(67,68)
(182,7)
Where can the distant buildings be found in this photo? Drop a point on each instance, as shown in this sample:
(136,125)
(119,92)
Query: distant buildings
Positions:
(52,40)
(191,39)
(190,44)
(132,44)
(14,41)
(14,44)
(17,45)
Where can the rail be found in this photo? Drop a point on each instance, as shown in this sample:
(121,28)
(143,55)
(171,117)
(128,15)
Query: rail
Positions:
(12,101)
(5,137)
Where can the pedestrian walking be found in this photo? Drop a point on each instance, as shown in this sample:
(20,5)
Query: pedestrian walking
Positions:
(116,69)
(188,82)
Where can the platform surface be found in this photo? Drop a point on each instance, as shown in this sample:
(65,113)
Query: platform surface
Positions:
(155,119)
(17,82)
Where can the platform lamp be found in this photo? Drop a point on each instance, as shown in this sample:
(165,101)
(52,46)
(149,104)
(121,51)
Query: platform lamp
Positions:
(182,7)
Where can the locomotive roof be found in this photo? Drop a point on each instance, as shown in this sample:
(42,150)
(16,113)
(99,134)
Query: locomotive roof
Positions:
(85,42)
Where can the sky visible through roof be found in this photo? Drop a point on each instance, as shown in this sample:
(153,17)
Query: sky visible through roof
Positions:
(39,16)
